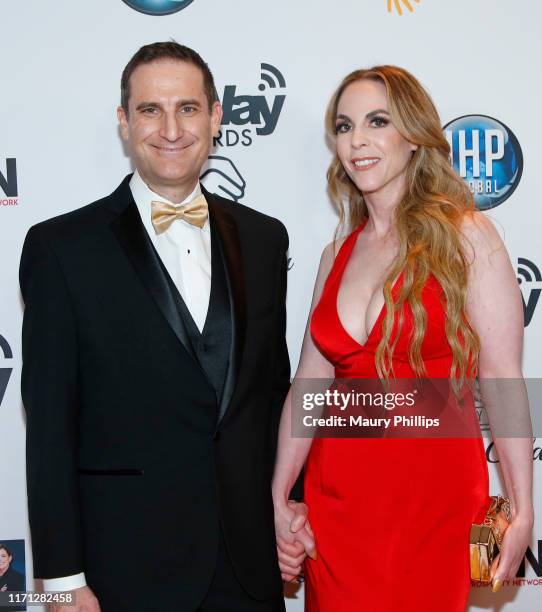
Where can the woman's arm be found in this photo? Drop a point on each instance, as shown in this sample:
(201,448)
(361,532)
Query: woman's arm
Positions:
(292,452)
(495,310)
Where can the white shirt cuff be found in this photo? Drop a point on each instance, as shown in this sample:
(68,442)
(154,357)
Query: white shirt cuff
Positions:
(66,583)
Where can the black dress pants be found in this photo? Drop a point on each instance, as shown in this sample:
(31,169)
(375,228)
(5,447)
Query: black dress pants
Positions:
(227,595)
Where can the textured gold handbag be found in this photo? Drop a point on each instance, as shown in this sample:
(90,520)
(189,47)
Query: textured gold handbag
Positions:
(486,539)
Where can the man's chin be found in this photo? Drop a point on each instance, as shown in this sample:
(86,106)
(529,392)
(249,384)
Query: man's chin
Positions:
(170,180)
(164,175)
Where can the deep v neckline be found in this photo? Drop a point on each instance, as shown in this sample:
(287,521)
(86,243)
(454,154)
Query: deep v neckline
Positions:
(378,322)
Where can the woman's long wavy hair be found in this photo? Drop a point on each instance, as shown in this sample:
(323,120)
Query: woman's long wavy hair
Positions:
(427,220)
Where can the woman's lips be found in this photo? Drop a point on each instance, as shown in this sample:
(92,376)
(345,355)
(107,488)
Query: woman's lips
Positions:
(364,163)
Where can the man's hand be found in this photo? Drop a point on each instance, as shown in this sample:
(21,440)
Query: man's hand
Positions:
(295,539)
(85,601)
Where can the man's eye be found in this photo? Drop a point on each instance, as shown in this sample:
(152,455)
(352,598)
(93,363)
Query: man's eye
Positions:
(149,111)
(188,109)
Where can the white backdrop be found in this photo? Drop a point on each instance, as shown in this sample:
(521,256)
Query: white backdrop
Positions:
(61,65)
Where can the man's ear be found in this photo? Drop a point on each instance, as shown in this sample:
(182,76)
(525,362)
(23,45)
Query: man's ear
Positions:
(216,118)
(123,122)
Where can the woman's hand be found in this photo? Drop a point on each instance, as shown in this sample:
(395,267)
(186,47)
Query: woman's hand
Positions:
(295,539)
(516,539)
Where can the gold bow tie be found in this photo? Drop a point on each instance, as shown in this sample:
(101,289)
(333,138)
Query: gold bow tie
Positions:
(163,214)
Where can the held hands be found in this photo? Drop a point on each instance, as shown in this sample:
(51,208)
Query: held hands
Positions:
(85,601)
(295,539)
(514,544)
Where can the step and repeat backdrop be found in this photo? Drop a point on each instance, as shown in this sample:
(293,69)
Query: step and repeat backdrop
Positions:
(276,64)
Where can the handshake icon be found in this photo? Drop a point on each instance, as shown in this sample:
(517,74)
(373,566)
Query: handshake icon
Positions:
(220,176)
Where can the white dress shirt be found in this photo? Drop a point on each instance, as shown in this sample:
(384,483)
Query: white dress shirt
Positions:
(185,251)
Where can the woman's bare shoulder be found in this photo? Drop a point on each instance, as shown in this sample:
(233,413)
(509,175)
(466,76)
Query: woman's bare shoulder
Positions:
(480,235)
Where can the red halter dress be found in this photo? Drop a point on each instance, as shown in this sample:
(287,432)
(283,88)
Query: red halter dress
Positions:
(391,516)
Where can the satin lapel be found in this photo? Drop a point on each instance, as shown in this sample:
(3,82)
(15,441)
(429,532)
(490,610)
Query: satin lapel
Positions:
(231,251)
(138,247)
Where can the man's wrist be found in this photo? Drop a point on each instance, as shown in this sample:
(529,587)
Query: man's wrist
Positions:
(65,583)
(280,499)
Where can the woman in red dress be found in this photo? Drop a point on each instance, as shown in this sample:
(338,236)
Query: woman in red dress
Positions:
(422,287)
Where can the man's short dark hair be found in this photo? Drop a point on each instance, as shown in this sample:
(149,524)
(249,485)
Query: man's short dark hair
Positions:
(171,51)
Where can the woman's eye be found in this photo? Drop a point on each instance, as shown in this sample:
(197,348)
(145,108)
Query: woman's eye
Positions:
(380,121)
(342,128)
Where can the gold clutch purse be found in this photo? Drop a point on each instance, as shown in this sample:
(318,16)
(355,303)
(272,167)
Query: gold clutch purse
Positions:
(486,539)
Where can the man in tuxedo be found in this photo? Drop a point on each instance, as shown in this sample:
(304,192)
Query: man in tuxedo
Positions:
(155,368)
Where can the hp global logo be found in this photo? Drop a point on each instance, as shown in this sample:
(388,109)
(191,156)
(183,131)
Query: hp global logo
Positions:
(260,112)
(8,183)
(487,155)
(158,7)
(530,282)
(5,373)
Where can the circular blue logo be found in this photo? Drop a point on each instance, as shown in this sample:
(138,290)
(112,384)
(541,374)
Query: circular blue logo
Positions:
(487,155)
(158,7)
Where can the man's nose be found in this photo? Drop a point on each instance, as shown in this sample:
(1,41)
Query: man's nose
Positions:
(171,127)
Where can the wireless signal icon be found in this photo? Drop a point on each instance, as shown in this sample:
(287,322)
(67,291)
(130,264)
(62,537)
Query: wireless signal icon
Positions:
(5,373)
(271,76)
(528,271)
(6,349)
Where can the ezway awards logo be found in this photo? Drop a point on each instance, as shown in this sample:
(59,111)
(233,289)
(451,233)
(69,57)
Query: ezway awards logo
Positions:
(8,183)
(221,176)
(259,113)
(157,7)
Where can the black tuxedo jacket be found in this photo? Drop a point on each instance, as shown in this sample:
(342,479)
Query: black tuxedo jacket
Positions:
(130,470)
